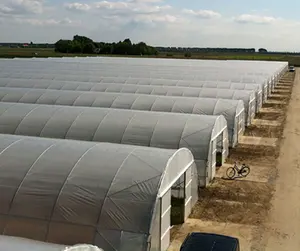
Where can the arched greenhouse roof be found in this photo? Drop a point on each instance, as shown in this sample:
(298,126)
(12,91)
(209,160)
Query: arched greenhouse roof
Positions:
(235,66)
(247,96)
(153,129)
(70,192)
(107,68)
(232,110)
(91,71)
(90,76)
(260,86)
(244,66)
(95,75)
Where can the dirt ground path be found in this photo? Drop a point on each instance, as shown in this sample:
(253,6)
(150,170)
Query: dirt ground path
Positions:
(282,230)
(262,210)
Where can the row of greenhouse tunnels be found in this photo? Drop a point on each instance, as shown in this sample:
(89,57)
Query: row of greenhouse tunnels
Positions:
(113,151)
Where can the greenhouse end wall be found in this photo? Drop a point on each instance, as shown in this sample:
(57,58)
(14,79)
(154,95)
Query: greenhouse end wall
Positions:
(70,207)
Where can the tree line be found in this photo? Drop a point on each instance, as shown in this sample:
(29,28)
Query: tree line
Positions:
(82,44)
(208,50)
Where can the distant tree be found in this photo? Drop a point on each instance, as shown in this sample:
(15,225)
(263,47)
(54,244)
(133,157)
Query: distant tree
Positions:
(82,39)
(123,48)
(188,54)
(141,49)
(106,48)
(128,41)
(205,50)
(262,50)
(89,48)
(76,47)
(63,46)
(82,44)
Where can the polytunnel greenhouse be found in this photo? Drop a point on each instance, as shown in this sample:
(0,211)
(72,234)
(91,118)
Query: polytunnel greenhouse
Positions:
(106,69)
(232,110)
(206,136)
(240,66)
(261,91)
(117,197)
(93,71)
(216,83)
(254,68)
(248,97)
(86,74)
(230,70)
(185,83)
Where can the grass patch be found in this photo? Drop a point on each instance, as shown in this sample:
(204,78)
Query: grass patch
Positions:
(6,52)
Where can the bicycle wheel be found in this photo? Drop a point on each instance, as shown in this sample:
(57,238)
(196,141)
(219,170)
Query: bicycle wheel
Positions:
(245,171)
(231,172)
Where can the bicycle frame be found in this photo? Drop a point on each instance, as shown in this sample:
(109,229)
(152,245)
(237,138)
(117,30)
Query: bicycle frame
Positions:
(237,168)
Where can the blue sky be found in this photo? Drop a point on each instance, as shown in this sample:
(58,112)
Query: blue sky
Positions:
(215,23)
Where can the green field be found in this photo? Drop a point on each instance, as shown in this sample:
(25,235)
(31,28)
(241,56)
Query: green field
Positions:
(40,52)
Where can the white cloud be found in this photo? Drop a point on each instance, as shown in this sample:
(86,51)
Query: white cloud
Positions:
(146,1)
(112,5)
(155,19)
(152,21)
(20,7)
(247,18)
(126,12)
(47,22)
(207,14)
(5,9)
(121,7)
(78,6)
(127,7)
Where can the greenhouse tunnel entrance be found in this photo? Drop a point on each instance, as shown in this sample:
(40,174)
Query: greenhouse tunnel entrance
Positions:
(219,152)
(176,205)
(177,216)
(239,129)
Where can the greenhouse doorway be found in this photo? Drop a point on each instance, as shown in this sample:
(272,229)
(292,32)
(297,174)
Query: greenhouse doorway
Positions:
(221,149)
(238,130)
(178,202)
(176,206)
(218,153)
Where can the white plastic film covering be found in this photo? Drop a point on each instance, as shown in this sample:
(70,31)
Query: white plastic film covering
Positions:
(199,73)
(232,110)
(69,192)
(248,97)
(159,82)
(153,129)
(241,71)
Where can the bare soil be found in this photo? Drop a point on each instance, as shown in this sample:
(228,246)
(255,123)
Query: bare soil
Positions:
(245,207)
(282,227)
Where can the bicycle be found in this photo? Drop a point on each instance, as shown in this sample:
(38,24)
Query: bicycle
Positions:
(242,172)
